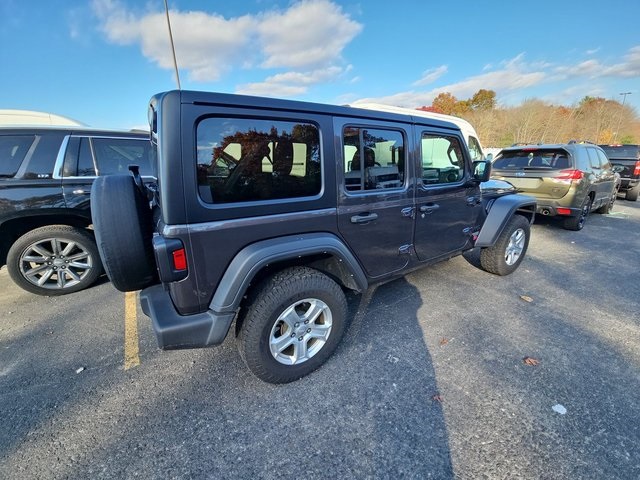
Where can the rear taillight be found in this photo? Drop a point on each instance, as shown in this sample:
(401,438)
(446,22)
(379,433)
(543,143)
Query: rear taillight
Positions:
(636,171)
(569,175)
(179,260)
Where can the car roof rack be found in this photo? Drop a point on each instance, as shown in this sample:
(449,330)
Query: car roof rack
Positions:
(573,142)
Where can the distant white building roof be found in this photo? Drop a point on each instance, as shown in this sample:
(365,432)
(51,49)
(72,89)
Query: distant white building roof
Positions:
(28,117)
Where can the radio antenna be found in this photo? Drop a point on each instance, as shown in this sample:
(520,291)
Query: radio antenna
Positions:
(173,48)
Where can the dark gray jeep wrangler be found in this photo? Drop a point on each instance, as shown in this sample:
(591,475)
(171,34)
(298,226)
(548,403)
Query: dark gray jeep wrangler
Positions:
(265,211)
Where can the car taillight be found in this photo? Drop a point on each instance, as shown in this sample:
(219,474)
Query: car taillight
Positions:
(570,175)
(179,260)
(636,171)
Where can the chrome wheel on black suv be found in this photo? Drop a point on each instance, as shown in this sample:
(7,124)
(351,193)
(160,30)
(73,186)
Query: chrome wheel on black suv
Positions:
(54,260)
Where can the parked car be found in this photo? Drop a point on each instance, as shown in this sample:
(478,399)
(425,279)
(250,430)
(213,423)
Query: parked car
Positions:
(266,210)
(568,180)
(45,180)
(628,158)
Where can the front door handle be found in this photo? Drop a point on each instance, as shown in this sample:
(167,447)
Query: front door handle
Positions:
(364,218)
(429,208)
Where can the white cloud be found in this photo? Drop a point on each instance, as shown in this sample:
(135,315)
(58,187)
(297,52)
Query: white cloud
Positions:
(628,68)
(592,51)
(515,75)
(291,84)
(310,34)
(431,76)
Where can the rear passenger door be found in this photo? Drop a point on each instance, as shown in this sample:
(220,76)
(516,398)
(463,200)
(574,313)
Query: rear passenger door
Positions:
(86,157)
(375,204)
(448,205)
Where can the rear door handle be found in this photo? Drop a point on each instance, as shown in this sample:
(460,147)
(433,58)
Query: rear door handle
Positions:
(429,207)
(364,218)
(80,192)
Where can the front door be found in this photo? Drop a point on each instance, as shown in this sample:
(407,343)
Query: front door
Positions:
(375,206)
(447,203)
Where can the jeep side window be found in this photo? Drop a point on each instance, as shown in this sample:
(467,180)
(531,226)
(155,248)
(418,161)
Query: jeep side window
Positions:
(247,159)
(373,159)
(442,159)
(13,149)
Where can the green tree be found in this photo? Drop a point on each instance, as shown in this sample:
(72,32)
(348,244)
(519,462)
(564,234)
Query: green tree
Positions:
(483,100)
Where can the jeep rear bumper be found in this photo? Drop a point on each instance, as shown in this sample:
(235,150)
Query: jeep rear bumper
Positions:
(182,331)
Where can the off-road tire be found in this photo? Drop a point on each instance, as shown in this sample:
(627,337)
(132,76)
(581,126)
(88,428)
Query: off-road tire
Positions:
(273,297)
(123,226)
(494,259)
(81,247)
(577,223)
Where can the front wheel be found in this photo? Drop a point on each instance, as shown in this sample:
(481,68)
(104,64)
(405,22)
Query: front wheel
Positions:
(507,253)
(292,324)
(54,260)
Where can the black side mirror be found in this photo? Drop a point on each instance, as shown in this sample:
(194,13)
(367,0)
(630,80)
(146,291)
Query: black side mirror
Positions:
(481,171)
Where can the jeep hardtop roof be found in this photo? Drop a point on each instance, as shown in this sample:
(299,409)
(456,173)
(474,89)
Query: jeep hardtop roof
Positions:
(265,103)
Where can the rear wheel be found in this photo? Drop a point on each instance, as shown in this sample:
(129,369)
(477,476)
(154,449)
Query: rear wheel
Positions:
(606,208)
(54,260)
(632,193)
(577,223)
(292,324)
(507,253)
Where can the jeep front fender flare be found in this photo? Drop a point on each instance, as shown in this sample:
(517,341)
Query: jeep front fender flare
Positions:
(251,259)
(499,214)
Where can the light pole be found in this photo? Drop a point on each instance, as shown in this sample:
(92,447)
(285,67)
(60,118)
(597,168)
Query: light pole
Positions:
(624,97)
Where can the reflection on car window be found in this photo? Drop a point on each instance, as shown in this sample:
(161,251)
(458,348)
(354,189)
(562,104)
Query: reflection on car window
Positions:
(114,155)
(474,149)
(13,149)
(556,159)
(243,160)
(442,159)
(373,159)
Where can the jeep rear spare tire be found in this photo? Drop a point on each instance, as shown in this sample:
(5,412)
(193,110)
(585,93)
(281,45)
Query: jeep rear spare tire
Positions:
(292,324)
(123,227)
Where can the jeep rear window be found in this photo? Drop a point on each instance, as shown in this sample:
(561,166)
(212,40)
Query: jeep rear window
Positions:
(551,159)
(246,160)
(13,149)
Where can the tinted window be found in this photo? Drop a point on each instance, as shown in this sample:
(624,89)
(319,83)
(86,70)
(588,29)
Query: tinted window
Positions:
(442,159)
(557,159)
(604,161)
(114,155)
(13,148)
(243,160)
(86,168)
(594,161)
(373,159)
(41,163)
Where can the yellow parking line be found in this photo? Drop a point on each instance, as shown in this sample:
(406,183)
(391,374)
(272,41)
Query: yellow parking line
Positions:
(131,358)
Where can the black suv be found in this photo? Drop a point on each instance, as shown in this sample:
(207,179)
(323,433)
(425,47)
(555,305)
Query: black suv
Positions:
(627,159)
(266,210)
(45,181)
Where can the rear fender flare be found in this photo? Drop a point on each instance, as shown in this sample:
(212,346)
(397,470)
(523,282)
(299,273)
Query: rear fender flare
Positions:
(499,214)
(251,259)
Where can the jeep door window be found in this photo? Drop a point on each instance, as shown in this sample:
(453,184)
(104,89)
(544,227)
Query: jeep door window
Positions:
(247,160)
(442,159)
(373,159)
(13,149)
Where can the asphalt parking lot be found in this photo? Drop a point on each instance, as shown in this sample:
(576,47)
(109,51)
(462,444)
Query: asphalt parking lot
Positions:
(429,382)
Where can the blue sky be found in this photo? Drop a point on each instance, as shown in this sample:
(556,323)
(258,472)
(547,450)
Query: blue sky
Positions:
(99,61)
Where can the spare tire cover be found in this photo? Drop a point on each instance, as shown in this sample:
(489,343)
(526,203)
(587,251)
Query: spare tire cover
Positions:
(122,222)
